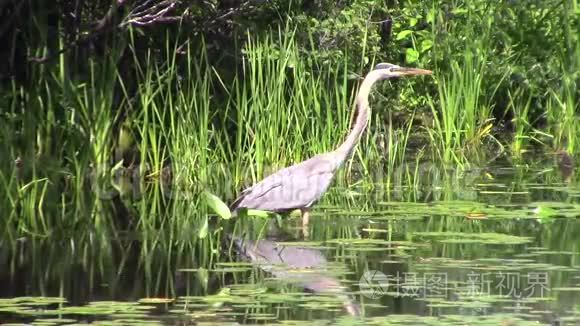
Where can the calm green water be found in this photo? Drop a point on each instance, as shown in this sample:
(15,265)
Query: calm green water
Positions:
(494,246)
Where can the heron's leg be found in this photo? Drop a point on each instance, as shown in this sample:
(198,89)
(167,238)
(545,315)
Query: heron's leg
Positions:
(305,219)
(305,216)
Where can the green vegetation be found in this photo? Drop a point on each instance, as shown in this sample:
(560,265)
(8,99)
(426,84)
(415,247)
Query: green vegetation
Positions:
(165,103)
(123,124)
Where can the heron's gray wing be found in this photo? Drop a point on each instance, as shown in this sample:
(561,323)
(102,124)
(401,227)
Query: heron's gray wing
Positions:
(254,191)
(297,186)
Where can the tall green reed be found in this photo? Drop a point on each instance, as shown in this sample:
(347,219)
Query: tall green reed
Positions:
(519,104)
(563,104)
(562,108)
(461,115)
(288,109)
(58,125)
(458,114)
(283,108)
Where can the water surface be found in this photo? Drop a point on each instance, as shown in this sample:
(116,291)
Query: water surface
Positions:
(493,246)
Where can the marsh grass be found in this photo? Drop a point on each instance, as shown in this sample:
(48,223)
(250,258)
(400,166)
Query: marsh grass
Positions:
(69,187)
(459,117)
(56,137)
(105,153)
(563,103)
(396,149)
(189,127)
(288,109)
(520,106)
(462,106)
(562,107)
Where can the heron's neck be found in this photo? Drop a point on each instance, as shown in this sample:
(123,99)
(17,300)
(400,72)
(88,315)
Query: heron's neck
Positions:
(362,111)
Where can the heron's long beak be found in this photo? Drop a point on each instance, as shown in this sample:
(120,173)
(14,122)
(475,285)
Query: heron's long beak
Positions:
(404,71)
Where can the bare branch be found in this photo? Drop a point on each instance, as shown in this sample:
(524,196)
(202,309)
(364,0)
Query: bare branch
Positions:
(101,26)
(144,13)
(149,12)
(232,12)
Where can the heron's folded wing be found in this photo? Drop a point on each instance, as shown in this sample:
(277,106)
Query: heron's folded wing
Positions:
(288,192)
(253,192)
(297,186)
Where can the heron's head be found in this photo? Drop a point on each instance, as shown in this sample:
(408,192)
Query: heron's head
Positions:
(389,70)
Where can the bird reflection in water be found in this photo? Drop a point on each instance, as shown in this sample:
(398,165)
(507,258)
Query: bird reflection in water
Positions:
(300,266)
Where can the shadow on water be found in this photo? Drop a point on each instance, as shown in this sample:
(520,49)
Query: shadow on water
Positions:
(494,245)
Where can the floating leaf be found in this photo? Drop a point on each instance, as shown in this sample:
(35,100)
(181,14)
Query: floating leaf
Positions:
(476,216)
(156,300)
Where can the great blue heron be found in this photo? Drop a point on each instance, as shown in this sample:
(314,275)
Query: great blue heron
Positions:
(299,186)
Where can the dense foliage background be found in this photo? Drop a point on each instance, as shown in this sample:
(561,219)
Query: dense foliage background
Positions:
(214,92)
(116,116)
